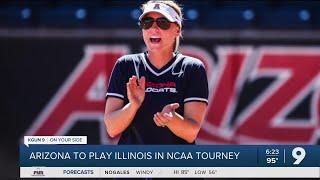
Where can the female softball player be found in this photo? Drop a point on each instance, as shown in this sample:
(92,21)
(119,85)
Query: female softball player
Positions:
(158,96)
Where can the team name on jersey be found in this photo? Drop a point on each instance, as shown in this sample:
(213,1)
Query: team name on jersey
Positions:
(162,87)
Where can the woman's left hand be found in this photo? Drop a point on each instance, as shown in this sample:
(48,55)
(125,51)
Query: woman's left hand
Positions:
(166,115)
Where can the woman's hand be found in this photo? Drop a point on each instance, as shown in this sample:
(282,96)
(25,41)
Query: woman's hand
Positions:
(166,115)
(136,91)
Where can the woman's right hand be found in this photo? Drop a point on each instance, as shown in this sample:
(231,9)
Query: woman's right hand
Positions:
(136,91)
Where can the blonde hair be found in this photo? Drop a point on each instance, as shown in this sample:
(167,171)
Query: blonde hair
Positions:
(176,7)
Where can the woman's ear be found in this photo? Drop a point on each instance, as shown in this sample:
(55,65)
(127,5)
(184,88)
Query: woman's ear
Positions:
(178,31)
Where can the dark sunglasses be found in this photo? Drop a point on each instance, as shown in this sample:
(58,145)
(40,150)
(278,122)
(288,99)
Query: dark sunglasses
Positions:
(147,22)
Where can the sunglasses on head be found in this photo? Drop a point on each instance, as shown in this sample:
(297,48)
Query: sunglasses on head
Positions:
(162,22)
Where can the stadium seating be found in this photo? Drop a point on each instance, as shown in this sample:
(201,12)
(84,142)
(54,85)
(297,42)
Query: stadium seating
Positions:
(264,14)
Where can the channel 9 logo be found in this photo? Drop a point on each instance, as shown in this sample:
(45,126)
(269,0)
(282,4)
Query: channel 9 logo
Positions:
(298,154)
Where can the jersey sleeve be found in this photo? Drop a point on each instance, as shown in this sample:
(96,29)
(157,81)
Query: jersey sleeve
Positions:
(197,86)
(116,87)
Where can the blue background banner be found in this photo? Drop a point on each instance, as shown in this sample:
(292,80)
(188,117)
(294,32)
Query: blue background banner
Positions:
(170,156)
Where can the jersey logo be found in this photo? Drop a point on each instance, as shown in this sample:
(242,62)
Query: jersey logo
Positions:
(177,73)
(156,6)
(165,87)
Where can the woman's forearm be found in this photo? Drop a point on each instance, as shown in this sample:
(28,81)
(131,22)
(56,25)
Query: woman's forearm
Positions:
(117,121)
(185,128)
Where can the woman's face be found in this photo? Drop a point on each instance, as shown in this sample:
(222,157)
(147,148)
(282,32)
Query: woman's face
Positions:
(157,39)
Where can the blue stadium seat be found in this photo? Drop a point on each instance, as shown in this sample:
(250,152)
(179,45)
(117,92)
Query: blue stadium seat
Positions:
(14,16)
(284,18)
(192,16)
(120,17)
(63,16)
(229,18)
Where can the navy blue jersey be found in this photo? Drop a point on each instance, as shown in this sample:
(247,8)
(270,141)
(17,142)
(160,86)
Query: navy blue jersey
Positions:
(181,80)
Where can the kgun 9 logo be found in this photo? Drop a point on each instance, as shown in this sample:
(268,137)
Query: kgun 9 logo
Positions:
(299,154)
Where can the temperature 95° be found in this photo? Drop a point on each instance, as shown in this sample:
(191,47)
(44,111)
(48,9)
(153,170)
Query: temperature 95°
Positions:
(272,160)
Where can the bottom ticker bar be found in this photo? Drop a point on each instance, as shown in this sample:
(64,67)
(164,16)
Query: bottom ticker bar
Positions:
(166,172)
